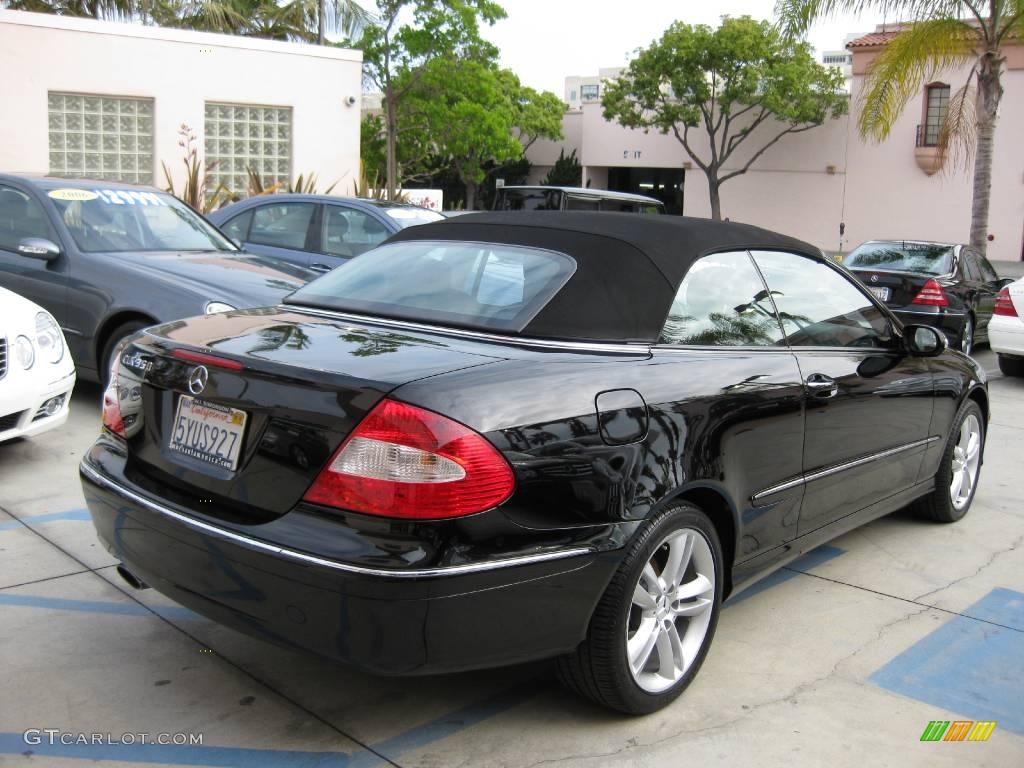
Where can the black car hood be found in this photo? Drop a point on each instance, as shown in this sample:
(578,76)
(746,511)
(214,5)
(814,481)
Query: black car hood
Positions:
(241,279)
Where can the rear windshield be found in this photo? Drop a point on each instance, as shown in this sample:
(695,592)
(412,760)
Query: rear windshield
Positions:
(474,285)
(116,220)
(923,258)
(411,216)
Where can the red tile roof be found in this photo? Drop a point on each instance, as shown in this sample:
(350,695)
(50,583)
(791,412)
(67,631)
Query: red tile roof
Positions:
(875,38)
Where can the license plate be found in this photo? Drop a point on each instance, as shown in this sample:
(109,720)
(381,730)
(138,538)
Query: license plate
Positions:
(881,293)
(208,432)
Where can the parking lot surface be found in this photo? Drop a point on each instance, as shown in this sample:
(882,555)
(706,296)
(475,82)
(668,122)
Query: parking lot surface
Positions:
(841,659)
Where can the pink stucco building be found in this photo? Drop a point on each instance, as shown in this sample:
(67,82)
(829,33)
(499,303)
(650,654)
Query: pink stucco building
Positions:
(810,183)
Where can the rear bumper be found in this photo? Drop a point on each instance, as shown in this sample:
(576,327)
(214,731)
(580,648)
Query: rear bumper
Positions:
(1006,335)
(950,322)
(410,621)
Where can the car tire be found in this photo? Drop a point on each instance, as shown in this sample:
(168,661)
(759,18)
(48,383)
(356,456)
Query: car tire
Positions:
(1011,366)
(625,620)
(949,502)
(119,334)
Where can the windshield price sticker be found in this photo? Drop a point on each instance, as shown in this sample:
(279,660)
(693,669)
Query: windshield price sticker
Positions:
(72,194)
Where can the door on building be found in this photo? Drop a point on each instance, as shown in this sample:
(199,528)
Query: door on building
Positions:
(665,184)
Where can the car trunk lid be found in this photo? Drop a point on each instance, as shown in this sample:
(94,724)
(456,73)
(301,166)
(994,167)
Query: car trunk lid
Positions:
(895,289)
(287,387)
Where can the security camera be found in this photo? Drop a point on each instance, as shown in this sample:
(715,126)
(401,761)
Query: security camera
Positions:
(351,100)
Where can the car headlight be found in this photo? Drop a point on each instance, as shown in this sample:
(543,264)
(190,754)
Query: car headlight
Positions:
(49,338)
(213,307)
(24,351)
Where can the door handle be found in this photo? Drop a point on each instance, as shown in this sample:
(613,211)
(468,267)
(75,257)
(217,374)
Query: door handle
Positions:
(821,386)
(317,267)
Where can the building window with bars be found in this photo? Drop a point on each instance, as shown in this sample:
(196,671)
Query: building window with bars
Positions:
(101,137)
(239,137)
(936,106)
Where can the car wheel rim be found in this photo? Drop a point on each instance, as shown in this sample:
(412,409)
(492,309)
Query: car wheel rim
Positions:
(967,338)
(673,602)
(966,460)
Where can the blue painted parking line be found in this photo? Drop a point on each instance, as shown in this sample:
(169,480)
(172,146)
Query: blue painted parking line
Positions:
(802,564)
(98,606)
(171,754)
(71,514)
(966,666)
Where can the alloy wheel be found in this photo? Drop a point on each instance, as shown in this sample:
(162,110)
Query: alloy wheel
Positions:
(672,606)
(966,460)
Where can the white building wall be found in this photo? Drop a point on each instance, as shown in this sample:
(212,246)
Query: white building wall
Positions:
(181,71)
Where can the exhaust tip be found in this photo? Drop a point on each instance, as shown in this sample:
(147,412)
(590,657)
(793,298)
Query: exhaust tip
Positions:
(130,578)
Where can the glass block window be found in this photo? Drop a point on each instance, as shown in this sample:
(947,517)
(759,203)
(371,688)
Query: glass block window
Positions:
(239,136)
(101,137)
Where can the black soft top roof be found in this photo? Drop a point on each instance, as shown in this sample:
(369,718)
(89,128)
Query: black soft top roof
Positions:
(629,267)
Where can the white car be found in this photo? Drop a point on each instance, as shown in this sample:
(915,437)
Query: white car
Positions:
(1006,329)
(36,370)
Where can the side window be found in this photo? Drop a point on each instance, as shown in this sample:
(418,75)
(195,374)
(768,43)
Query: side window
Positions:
(969,266)
(573,203)
(348,232)
(281,225)
(20,217)
(621,206)
(238,227)
(722,301)
(988,272)
(819,306)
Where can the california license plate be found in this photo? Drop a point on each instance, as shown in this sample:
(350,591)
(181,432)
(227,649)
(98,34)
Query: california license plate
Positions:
(208,432)
(881,293)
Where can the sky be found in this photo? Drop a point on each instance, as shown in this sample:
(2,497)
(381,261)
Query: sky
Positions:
(543,41)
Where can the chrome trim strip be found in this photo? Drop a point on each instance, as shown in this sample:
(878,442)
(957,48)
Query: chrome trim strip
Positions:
(836,469)
(451,570)
(520,341)
(946,313)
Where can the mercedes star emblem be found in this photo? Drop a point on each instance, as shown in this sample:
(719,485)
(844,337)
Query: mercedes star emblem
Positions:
(197,379)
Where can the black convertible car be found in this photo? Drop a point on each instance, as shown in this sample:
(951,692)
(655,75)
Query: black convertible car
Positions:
(512,436)
(106,259)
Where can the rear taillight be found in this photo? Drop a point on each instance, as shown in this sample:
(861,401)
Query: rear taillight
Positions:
(406,462)
(1004,304)
(112,418)
(932,295)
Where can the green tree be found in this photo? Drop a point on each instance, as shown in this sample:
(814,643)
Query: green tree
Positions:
(941,34)
(407,36)
(566,172)
(476,118)
(741,85)
(308,20)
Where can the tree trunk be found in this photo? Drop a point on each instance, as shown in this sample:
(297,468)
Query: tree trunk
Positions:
(471,192)
(391,142)
(716,200)
(990,91)
(320,9)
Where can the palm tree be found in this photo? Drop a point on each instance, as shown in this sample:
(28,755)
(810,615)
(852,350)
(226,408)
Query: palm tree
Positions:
(940,34)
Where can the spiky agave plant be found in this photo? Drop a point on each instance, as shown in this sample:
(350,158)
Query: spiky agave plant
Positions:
(938,35)
(195,192)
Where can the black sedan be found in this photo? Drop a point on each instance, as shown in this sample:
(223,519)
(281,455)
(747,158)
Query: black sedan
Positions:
(512,436)
(106,259)
(947,286)
(320,232)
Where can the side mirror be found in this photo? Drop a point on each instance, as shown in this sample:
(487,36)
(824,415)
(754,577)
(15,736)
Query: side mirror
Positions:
(1002,283)
(924,341)
(38,248)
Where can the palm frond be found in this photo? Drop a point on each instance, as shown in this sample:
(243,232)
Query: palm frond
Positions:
(958,134)
(795,17)
(911,59)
